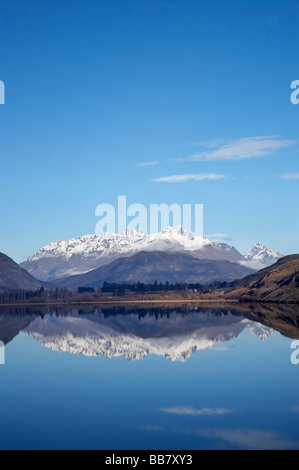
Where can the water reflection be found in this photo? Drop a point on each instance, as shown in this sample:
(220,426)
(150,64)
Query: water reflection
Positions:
(245,398)
(134,333)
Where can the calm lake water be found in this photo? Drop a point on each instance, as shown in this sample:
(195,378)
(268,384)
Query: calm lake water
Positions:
(159,379)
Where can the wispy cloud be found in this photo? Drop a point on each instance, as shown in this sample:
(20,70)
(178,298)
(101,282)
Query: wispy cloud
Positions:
(144,164)
(153,428)
(219,236)
(290,176)
(250,438)
(250,147)
(189,177)
(188,410)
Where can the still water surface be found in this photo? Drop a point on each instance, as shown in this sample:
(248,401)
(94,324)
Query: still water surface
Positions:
(159,379)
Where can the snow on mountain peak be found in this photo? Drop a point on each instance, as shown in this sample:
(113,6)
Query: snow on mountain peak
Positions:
(260,252)
(259,256)
(177,229)
(129,241)
(80,255)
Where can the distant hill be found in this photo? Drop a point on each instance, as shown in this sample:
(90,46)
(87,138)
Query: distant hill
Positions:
(148,267)
(277,283)
(14,277)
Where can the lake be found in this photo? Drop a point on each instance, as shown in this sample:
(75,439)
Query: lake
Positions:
(161,378)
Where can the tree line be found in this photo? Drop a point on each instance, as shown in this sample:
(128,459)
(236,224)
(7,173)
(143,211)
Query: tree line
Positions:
(140,287)
(23,295)
(116,289)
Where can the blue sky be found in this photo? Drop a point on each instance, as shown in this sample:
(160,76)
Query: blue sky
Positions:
(161,101)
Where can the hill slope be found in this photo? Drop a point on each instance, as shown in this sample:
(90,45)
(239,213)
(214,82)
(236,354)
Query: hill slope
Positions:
(277,283)
(158,266)
(14,277)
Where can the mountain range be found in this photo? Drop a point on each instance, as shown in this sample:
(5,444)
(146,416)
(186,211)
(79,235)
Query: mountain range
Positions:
(173,255)
(80,255)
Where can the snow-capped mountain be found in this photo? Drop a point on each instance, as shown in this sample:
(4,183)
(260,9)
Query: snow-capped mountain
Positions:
(80,255)
(175,337)
(260,256)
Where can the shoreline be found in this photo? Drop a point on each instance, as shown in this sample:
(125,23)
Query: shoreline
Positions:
(148,301)
(118,302)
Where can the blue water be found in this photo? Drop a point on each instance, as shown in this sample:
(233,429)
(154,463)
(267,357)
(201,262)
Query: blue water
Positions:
(240,393)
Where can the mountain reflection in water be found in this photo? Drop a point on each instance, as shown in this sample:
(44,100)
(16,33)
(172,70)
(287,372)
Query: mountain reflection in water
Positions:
(175,333)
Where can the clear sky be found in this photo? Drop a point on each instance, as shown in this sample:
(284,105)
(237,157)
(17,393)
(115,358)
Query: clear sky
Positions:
(162,101)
